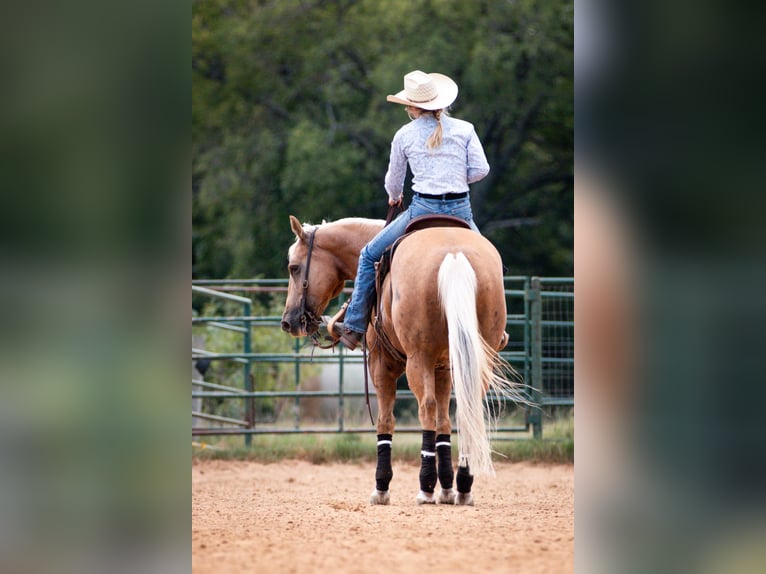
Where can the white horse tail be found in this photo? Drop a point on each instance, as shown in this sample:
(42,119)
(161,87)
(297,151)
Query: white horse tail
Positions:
(475,365)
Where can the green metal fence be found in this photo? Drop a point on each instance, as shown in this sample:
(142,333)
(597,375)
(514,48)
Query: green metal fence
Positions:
(540,323)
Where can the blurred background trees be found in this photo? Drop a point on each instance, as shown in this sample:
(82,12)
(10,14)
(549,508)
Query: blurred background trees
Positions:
(289,116)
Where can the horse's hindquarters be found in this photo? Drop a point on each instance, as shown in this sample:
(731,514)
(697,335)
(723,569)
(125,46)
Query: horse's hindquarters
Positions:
(447,307)
(411,301)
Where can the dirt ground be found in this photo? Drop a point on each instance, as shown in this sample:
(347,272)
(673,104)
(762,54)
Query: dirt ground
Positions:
(296,517)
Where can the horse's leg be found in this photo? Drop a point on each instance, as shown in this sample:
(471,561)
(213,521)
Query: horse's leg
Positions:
(420,375)
(384,373)
(464,481)
(443,430)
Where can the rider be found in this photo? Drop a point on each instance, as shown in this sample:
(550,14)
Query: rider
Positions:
(444,155)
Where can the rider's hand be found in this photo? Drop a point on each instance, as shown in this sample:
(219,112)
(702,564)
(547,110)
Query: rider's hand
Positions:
(394,202)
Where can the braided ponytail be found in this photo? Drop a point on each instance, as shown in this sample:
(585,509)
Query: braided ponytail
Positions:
(435,139)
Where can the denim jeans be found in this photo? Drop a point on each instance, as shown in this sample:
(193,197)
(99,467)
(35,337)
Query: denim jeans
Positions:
(358,312)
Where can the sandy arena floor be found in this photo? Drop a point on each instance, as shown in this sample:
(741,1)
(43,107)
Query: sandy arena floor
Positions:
(296,517)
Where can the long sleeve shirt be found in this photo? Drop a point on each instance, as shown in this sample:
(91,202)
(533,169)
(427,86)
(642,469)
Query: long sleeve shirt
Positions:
(449,168)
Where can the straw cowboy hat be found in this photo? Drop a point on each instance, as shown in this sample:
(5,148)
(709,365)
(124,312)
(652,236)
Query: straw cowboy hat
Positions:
(427,91)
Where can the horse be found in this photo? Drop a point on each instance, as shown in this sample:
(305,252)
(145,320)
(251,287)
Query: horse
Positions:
(441,319)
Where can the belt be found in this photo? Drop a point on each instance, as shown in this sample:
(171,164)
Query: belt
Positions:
(442,196)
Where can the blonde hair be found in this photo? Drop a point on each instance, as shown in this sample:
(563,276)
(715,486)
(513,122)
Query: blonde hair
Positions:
(435,139)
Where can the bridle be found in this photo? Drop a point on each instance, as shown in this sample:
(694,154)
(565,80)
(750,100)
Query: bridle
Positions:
(306,315)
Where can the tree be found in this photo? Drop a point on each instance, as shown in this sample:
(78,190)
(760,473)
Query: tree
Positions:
(289,116)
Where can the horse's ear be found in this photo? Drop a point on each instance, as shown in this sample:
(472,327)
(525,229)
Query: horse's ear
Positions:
(296,227)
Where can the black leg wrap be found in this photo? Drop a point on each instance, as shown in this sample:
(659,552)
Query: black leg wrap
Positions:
(444,454)
(428,462)
(384,473)
(464,479)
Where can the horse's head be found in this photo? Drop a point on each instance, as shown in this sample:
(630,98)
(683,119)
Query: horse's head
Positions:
(315,279)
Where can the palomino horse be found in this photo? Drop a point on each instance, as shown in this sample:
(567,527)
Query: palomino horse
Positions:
(442,312)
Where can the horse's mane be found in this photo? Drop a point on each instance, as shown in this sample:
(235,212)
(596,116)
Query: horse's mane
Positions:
(362,222)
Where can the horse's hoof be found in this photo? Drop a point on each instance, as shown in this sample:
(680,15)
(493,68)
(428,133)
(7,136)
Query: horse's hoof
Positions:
(380,497)
(447,496)
(425,498)
(464,499)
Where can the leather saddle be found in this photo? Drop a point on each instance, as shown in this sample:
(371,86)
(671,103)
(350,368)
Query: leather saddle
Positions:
(436,220)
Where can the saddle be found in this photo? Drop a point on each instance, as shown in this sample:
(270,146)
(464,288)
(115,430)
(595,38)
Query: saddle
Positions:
(435,220)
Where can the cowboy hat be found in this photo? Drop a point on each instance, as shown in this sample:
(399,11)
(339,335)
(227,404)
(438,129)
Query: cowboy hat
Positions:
(427,91)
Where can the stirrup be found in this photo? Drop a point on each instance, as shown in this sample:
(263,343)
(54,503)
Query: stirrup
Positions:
(335,318)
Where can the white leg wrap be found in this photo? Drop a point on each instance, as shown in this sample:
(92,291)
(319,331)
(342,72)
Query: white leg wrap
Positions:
(425,498)
(380,497)
(464,499)
(447,496)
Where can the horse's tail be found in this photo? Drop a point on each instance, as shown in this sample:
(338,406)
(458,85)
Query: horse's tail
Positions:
(476,366)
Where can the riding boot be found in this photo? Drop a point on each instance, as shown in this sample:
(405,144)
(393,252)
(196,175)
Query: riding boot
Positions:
(349,338)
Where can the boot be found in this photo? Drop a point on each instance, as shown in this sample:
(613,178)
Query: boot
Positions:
(336,330)
(349,338)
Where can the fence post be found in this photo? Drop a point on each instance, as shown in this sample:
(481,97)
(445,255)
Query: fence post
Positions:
(297,405)
(527,337)
(341,355)
(247,309)
(534,414)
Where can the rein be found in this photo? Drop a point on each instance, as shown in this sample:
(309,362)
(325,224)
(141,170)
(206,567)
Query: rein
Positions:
(393,210)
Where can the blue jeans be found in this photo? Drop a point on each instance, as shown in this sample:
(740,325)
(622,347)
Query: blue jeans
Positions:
(358,312)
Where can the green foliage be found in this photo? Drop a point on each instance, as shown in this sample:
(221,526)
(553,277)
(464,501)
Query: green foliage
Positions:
(289,117)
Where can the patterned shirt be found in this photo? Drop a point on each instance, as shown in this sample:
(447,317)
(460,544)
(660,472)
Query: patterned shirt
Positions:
(460,159)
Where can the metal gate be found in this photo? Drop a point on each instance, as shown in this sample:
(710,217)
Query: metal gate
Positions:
(540,323)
